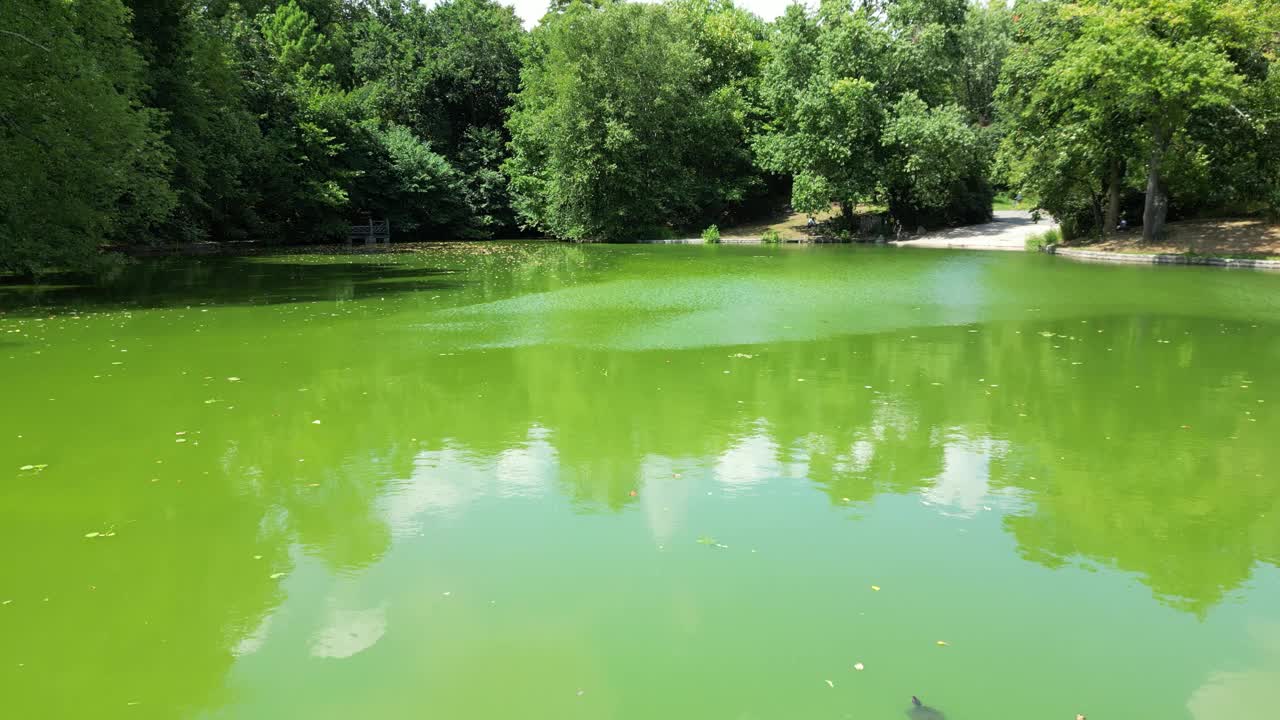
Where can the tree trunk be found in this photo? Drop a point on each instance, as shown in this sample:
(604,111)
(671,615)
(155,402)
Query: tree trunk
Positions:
(846,213)
(1096,201)
(1113,198)
(1157,205)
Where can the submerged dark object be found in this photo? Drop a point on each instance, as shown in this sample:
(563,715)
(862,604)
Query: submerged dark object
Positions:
(920,711)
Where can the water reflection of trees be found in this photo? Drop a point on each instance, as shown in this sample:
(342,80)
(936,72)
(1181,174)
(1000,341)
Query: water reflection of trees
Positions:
(1107,472)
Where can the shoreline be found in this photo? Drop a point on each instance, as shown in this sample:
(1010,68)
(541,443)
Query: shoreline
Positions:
(1123,258)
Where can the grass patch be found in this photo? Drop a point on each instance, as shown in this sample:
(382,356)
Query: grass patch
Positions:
(1038,241)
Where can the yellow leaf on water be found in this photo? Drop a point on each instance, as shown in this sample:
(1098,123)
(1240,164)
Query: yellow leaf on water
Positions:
(876,588)
(942,643)
(91,535)
(830,684)
(276,576)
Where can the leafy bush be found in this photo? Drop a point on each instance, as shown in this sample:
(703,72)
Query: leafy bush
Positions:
(1037,242)
(711,235)
(771,237)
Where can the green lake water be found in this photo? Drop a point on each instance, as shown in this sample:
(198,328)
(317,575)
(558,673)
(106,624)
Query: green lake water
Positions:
(642,482)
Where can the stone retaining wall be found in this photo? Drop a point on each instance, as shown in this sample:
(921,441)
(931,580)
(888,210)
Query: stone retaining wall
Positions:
(1160,258)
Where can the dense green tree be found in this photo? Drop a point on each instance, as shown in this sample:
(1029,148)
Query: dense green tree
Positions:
(617,132)
(83,159)
(212,135)
(865,108)
(447,74)
(1095,87)
(135,121)
(985,40)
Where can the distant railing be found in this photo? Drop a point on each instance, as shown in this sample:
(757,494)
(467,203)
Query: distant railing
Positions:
(371,232)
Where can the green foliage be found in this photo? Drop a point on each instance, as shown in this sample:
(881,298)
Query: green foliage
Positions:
(142,121)
(1038,241)
(1159,95)
(867,108)
(415,187)
(771,237)
(711,235)
(83,162)
(619,128)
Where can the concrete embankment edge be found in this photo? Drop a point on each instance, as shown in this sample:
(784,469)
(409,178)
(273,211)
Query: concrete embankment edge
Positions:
(1162,259)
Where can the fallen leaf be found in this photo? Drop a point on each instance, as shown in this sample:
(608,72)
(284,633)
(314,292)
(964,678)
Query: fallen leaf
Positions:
(92,535)
(830,684)
(876,588)
(859,666)
(943,643)
(277,576)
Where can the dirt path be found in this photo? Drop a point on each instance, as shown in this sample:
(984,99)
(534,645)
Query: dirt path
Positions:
(1008,231)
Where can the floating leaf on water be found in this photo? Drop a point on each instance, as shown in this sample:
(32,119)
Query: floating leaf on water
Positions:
(233,379)
(315,422)
(581,693)
(92,535)
(257,557)
(942,643)
(277,576)
(830,684)
(27,467)
(859,666)
(705,540)
(875,588)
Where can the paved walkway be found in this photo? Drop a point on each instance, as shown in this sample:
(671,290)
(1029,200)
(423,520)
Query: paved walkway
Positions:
(1008,231)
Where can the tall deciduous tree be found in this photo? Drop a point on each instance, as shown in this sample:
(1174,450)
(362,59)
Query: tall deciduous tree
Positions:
(82,159)
(616,131)
(865,102)
(1096,79)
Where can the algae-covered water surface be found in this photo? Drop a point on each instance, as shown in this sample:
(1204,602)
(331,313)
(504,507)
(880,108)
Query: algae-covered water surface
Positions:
(636,482)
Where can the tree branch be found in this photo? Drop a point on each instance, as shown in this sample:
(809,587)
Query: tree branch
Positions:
(26,40)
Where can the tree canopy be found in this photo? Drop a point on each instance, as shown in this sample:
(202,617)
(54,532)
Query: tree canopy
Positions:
(1157,94)
(131,122)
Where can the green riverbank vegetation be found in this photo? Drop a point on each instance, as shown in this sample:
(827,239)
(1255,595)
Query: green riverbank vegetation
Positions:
(169,122)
